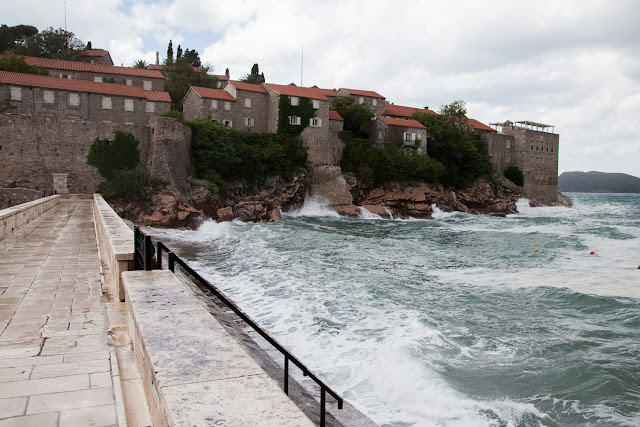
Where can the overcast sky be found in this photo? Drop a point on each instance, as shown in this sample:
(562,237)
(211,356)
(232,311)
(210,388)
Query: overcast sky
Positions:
(572,64)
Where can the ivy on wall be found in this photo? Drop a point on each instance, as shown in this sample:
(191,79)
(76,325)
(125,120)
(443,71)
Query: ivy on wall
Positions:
(304,110)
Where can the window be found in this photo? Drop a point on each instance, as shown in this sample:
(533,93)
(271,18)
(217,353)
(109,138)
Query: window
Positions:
(16,93)
(65,76)
(507,158)
(227,123)
(293,120)
(106,103)
(146,85)
(547,146)
(214,104)
(508,143)
(316,104)
(48,97)
(409,138)
(227,105)
(247,102)
(380,135)
(552,147)
(129,82)
(151,107)
(315,123)
(374,102)
(74,99)
(295,100)
(128,105)
(249,122)
(531,144)
(218,85)
(97,79)
(361,100)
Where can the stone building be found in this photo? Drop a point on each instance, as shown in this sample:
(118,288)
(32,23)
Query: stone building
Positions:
(140,77)
(402,132)
(533,148)
(95,56)
(214,104)
(35,95)
(372,100)
(251,106)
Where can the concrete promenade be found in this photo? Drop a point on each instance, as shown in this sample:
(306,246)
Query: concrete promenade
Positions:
(56,366)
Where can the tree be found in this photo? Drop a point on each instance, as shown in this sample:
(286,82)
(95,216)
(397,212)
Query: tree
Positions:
(140,63)
(227,74)
(179,52)
(89,45)
(179,77)
(170,53)
(50,43)
(13,38)
(192,57)
(254,77)
(17,64)
(357,117)
(515,175)
(111,156)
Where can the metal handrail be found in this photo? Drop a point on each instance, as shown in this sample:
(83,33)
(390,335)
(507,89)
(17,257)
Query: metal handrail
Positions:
(146,253)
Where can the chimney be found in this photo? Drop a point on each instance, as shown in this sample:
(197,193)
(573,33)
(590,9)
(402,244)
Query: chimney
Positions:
(157,58)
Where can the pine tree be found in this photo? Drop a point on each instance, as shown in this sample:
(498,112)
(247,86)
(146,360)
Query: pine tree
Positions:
(170,53)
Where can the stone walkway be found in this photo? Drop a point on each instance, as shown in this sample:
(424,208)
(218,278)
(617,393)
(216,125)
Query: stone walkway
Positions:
(56,367)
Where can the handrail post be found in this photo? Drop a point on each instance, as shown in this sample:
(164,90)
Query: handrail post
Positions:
(286,375)
(172,260)
(323,405)
(159,255)
(148,253)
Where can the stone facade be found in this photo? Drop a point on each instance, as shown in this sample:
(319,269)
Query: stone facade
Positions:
(407,133)
(95,56)
(372,100)
(533,151)
(214,104)
(252,103)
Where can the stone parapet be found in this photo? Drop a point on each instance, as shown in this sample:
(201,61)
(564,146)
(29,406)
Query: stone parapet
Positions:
(192,370)
(16,216)
(116,242)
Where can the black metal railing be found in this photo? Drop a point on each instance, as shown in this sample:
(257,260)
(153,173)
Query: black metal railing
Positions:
(144,252)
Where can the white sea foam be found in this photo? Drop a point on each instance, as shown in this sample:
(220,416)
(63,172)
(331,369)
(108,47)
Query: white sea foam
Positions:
(313,206)
(365,214)
(439,214)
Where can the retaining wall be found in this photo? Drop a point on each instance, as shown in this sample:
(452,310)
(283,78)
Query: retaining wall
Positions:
(16,216)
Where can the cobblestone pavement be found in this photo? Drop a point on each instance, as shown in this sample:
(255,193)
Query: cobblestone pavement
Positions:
(56,367)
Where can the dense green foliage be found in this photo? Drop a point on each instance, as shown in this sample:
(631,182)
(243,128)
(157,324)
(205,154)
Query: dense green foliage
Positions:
(515,175)
(221,154)
(598,182)
(255,77)
(110,156)
(357,117)
(131,184)
(140,63)
(456,145)
(17,64)
(304,110)
(178,115)
(117,161)
(12,39)
(180,76)
(391,163)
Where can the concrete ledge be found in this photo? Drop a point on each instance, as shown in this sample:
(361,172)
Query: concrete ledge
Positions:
(116,238)
(192,370)
(16,216)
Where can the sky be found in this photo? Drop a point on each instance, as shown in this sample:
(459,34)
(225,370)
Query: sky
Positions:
(571,64)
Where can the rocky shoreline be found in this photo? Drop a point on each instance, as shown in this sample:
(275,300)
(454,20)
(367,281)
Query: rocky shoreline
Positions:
(175,210)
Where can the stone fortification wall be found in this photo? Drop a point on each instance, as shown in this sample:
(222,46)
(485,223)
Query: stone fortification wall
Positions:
(15,196)
(169,153)
(32,149)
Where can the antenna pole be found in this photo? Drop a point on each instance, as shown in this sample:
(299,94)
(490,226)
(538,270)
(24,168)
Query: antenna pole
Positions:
(65,16)
(301,64)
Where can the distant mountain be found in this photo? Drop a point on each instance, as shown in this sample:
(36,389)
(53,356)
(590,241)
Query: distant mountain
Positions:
(598,182)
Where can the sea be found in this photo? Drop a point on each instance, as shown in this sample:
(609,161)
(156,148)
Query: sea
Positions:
(459,320)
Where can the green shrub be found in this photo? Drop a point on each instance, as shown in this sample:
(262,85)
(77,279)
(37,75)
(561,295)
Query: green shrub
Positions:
(111,156)
(131,184)
(515,175)
(178,115)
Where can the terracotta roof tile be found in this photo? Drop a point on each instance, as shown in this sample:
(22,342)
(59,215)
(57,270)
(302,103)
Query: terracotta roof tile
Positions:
(206,92)
(399,110)
(157,96)
(402,122)
(357,92)
(329,93)
(60,64)
(158,67)
(74,85)
(247,86)
(334,115)
(221,77)
(480,126)
(302,92)
(94,52)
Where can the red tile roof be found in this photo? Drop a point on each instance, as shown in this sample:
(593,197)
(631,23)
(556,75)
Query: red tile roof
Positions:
(480,126)
(157,96)
(334,115)
(399,110)
(247,86)
(60,64)
(329,93)
(302,92)
(158,67)
(94,52)
(362,93)
(402,122)
(205,92)
(74,85)
(221,77)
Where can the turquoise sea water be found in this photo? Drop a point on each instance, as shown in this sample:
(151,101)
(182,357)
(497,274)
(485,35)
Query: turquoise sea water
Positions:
(455,321)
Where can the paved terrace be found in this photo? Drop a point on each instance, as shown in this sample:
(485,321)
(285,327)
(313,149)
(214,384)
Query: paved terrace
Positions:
(56,365)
